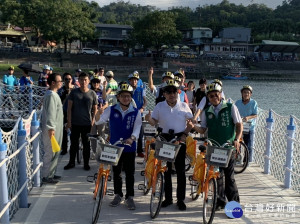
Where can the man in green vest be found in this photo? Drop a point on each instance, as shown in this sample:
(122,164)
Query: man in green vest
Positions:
(223,123)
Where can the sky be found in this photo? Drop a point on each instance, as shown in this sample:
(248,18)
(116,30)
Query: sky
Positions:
(165,4)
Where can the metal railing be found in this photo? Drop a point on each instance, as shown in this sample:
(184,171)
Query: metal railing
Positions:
(19,165)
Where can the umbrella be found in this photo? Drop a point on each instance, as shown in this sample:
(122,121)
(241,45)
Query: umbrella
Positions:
(164,46)
(176,47)
(30,67)
(184,47)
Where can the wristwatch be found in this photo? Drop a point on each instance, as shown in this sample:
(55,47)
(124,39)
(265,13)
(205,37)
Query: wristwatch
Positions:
(133,138)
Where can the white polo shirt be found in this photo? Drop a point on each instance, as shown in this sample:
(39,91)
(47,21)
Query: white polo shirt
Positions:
(172,117)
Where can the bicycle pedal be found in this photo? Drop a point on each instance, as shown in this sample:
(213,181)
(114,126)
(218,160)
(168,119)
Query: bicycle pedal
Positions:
(109,178)
(110,192)
(90,179)
(191,178)
(143,173)
(141,187)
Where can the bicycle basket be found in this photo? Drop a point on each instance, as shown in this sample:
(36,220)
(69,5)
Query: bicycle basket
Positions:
(218,156)
(148,129)
(246,127)
(108,154)
(166,151)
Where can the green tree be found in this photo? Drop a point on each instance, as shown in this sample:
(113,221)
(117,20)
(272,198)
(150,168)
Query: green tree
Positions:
(156,29)
(66,25)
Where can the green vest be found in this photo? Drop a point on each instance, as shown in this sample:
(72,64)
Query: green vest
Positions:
(221,128)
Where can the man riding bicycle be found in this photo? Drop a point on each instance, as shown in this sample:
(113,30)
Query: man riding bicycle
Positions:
(223,123)
(248,110)
(172,114)
(125,122)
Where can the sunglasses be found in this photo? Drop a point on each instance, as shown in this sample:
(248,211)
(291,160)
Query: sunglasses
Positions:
(68,79)
(213,95)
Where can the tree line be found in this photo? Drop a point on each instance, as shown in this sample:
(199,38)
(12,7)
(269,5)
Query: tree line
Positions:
(68,20)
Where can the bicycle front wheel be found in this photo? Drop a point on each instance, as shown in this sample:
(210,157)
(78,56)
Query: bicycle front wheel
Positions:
(156,196)
(209,202)
(194,189)
(242,160)
(98,200)
(146,189)
(187,164)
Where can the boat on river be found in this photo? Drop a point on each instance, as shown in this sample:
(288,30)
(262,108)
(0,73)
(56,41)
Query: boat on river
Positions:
(234,76)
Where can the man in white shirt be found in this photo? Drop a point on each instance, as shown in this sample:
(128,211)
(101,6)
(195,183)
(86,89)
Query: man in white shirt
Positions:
(172,114)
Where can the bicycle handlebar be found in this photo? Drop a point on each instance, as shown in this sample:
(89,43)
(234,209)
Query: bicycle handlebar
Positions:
(99,138)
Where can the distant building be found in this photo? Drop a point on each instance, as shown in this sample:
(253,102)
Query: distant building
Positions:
(235,35)
(112,35)
(197,35)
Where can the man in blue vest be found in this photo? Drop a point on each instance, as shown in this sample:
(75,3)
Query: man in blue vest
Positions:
(139,97)
(223,123)
(125,122)
(248,110)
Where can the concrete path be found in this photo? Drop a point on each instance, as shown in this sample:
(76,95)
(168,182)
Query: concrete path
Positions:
(263,199)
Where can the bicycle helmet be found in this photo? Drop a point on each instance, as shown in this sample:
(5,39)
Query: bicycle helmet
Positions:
(170,84)
(213,87)
(218,81)
(134,76)
(168,74)
(124,87)
(11,68)
(178,74)
(247,87)
(177,79)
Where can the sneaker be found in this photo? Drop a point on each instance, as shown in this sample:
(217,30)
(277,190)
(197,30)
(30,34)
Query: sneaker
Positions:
(69,166)
(130,203)
(56,177)
(166,203)
(181,205)
(140,154)
(117,200)
(49,181)
(86,167)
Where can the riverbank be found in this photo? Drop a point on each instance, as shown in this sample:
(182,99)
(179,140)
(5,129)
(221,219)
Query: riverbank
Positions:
(123,66)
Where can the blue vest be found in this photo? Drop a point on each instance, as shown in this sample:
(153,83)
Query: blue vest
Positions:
(138,97)
(122,128)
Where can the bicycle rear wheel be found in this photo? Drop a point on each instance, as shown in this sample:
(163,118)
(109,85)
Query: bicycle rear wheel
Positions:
(242,160)
(98,200)
(156,197)
(80,151)
(209,202)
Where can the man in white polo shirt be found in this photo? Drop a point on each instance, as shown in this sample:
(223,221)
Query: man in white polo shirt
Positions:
(172,114)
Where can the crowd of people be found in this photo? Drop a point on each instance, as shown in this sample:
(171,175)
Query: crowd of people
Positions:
(87,101)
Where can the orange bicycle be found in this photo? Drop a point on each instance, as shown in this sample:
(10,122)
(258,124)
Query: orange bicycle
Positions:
(204,179)
(154,172)
(107,155)
(149,134)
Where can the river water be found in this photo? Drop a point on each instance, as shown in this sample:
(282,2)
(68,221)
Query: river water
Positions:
(281,96)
